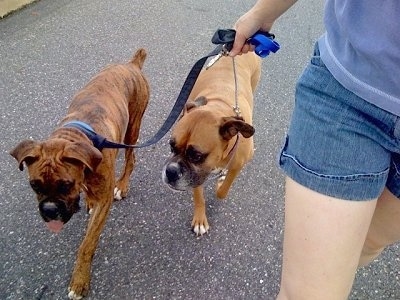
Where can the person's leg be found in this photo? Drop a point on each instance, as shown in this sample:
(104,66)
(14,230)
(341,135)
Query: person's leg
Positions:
(338,147)
(322,243)
(384,229)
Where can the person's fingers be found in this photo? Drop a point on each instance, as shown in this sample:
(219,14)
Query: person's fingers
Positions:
(239,43)
(245,48)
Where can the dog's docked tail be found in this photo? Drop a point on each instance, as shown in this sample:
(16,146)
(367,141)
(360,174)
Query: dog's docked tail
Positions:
(139,57)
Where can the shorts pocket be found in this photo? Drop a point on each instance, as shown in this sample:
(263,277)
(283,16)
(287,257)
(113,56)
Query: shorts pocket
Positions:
(316,58)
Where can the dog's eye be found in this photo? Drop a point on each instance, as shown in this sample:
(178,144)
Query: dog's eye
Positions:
(36,186)
(194,156)
(172,145)
(172,149)
(64,187)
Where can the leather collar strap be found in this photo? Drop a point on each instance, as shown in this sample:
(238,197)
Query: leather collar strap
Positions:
(98,140)
(221,38)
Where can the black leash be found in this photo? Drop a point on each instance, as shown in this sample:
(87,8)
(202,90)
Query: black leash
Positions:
(101,142)
(224,39)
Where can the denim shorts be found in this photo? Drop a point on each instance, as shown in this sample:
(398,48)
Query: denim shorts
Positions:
(337,143)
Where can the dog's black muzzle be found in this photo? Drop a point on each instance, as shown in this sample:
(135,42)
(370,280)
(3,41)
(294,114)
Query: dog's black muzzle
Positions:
(176,176)
(179,176)
(54,209)
(173,172)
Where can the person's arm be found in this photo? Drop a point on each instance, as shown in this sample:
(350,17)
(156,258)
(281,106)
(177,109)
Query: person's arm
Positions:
(260,17)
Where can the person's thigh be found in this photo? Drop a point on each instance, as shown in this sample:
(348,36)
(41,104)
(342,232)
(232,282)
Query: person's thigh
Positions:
(323,239)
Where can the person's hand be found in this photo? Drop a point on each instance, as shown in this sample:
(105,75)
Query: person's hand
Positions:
(246,26)
(240,45)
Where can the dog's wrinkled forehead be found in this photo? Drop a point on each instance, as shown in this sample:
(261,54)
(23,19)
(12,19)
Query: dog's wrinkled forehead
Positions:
(198,140)
(199,124)
(48,154)
(56,152)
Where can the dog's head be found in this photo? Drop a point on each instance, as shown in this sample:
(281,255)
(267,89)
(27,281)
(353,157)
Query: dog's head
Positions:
(199,145)
(56,170)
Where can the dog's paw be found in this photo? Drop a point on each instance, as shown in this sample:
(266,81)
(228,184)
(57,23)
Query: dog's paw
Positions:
(221,189)
(120,192)
(78,291)
(117,194)
(79,286)
(221,177)
(200,229)
(200,226)
(72,295)
(121,189)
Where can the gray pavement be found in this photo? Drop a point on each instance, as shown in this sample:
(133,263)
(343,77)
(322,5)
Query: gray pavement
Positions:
(48,51)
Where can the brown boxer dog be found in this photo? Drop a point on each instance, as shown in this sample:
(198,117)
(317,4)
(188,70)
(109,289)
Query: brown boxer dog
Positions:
(210,136)
(68,163)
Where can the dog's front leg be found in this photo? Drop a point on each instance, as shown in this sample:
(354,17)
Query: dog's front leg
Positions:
(80,281)
(199,222)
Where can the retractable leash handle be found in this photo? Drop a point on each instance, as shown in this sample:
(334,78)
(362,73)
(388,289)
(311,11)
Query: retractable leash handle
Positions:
(263,41)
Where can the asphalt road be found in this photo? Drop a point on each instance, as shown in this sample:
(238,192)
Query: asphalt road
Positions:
(147,251)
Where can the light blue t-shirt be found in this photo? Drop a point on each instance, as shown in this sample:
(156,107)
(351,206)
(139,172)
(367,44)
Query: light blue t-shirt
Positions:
(361,48)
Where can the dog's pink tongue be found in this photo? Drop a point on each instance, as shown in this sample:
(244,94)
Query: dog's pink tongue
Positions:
(55,226)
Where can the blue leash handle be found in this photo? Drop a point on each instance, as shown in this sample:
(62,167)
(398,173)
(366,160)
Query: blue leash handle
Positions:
(264,43)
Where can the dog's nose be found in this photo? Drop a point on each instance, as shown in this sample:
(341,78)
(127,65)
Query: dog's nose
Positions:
(173,172)
(50,210)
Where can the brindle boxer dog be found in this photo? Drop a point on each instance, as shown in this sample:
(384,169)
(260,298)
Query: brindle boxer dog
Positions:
(210,136)
(68,163)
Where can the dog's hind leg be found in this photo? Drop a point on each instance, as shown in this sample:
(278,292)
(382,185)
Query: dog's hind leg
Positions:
(224,184)
(131,137)
(122,184)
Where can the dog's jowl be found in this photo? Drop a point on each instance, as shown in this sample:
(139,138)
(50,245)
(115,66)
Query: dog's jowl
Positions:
(69,164)
(211,136)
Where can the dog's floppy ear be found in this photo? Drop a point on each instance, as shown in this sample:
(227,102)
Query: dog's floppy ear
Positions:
(26,151)
(86,154)
(196,103)
(231,126)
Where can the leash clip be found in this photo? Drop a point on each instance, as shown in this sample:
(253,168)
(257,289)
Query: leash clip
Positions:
(237,111)
(224,52)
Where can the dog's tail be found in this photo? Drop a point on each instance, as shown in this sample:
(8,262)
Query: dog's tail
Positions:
(139,57)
